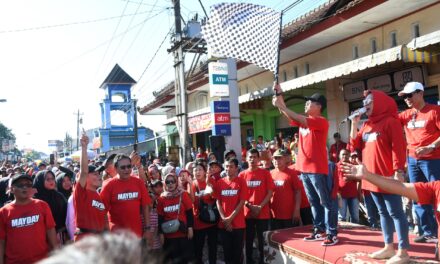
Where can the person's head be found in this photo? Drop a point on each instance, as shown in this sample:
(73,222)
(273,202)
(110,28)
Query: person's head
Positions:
(156,186)
(229,154)
(253,144)
(49,180)
(154,172)
(189,166)
(21,187)
(260,139)
(110,166)
(94,179)
(353,157)
(42,166)
(412,93)
(168,169)
(315,104)
(337,137)
(280,157)
(64,182)
(253,158)
(171,182)
(231,167)
(214,167)
(123,165)
(344,155)
(368,103)
(199,171)
(200,149)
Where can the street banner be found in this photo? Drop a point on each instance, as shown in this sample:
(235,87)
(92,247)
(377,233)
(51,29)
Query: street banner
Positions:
(246,32)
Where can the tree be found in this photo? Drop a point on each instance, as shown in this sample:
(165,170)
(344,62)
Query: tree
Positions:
(68,140)
(6,133)
(33,155)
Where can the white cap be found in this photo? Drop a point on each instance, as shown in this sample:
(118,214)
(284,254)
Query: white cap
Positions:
(411,87)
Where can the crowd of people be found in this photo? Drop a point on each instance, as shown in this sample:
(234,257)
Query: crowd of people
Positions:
(176,212)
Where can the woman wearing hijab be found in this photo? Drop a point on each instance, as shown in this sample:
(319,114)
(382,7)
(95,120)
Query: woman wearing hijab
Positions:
(64,185)
(201,189)
(174,203)
(44,182)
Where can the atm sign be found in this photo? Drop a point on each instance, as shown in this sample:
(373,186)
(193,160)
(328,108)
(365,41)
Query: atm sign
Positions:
(222,118)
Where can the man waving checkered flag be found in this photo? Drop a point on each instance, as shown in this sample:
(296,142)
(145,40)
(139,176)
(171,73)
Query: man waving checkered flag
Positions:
(246,32)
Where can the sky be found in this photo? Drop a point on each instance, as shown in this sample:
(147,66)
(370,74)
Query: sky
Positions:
(54,55)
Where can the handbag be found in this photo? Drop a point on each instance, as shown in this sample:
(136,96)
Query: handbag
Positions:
(208,213)
(172,226)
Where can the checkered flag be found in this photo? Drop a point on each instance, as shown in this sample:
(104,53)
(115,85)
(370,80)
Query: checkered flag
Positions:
(244,31)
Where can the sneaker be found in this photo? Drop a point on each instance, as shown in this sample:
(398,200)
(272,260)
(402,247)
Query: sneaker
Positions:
(426,239)
(316,235)
(330,240)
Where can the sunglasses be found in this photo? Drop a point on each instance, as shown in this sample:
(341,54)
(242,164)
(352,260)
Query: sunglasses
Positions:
(24,185)
(410,95)
(125,167)
(170,182)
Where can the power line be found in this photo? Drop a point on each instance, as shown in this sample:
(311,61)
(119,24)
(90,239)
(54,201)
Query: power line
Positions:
(70,24)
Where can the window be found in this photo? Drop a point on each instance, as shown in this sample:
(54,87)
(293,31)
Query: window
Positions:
(373,45)
(415,30)
(307,68)
(393,38)
(284,75)
(202,100)
(295,72)
(355,52)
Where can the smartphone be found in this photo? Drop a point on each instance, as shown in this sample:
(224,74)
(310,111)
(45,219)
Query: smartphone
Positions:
(52,159)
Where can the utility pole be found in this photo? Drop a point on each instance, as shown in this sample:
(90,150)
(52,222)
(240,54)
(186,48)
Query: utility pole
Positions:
(180,86)
(135,121)
(78,121)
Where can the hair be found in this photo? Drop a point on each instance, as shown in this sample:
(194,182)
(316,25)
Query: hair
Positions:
(253,151)
(233,160)
(120,157)
(121,247)
(337,135)
(201,164)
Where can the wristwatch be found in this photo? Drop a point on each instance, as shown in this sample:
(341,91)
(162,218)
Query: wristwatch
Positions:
(432,146)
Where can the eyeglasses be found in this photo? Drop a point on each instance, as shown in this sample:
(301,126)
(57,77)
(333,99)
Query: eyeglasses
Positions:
(170,182)
(24,185)
(125,167)
(410,95)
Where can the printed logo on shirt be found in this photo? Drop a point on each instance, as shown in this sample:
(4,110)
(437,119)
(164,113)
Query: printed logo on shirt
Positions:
(370,137)
(25,221)
(279,183)
(253,183)
(304,131)
(416,124)
(98,205)
(128,196)
(171,208)
(229,192)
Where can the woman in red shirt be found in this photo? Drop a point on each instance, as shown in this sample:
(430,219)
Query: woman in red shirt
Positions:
(174,203)
(200,189)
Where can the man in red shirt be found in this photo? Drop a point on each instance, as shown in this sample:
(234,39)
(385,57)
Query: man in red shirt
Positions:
(383,152)
(90,217)
(421,192)
(27,228)
(422,129)
(231,194)
(126,197)
(349,191)
(312,162)
(336,148)
(260,188)
(287,188)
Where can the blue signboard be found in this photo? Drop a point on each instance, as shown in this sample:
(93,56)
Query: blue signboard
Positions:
(220,107)
(221,130)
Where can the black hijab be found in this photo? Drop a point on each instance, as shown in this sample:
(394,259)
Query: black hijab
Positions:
(56,200)
(59,179)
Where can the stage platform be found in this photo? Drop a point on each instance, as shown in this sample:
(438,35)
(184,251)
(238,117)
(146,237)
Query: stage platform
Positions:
(355,242)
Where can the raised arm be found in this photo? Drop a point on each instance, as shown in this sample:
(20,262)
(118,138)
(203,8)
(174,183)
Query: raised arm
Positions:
(84,162)
(278,101)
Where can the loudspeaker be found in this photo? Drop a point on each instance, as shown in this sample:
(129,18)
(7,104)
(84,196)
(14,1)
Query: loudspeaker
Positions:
(218,146)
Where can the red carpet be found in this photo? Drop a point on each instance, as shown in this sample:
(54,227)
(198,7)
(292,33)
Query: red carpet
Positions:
(355,242)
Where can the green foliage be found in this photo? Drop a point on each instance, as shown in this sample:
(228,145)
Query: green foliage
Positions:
(162,149)
(6,133)
(33,155)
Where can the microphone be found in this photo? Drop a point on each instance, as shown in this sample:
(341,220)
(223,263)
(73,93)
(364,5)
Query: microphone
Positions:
(356,113)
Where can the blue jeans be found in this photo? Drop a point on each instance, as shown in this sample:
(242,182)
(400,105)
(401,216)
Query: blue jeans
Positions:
(324,209)
(424,171)
(392,218)
(352,204)
(373,214)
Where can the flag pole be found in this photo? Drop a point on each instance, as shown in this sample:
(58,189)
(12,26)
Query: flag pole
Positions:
(277,68)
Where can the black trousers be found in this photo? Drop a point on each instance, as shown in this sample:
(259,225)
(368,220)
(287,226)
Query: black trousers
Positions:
(276,224)
(178,250)
(306,216)
(233,245)
(199,242)
(255,226)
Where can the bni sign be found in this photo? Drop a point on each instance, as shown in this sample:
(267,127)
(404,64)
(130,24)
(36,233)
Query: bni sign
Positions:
(218,79)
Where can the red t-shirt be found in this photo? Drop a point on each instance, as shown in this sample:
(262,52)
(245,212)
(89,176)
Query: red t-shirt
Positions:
(123,200)
(286,183)
(383,148)
(422,129)
(23,228)
(335,149)
(168,207)
(312,148)
(90,209)
(347,189)
(304,200)
(259,182)
(229,194)
(206,198)
(429,193)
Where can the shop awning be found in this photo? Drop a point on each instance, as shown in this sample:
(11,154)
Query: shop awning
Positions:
(425,40)
(379,58)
